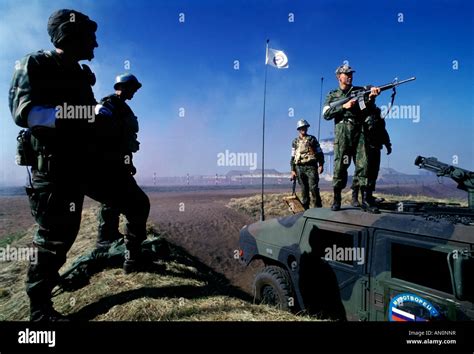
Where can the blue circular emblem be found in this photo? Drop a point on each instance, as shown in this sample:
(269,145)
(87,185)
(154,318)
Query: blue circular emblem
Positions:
(409,307)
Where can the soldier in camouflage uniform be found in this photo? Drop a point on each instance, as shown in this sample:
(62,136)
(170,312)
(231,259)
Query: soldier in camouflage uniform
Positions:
(120,144)
(376,136)
(349,141)
(307,162)
(66,164)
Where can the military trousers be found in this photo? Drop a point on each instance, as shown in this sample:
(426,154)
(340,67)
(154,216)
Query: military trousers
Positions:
(308,179)
(56,204)
(108,232)
(373,166)
(349,144)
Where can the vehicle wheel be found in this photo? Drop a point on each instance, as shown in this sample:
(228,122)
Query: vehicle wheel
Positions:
(273,287)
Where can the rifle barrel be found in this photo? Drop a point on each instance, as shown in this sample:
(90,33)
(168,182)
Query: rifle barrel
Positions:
(364,92)
(396,83)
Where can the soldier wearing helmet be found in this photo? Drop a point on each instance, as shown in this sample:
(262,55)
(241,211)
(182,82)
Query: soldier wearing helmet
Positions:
(42,81)
(307,161)
(118,148)
(66,163)
(349,141)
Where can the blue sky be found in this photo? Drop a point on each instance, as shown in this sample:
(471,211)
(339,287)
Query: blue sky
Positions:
(190,65)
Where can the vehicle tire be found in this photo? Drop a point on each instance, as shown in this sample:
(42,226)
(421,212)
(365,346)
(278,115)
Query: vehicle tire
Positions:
(272,287)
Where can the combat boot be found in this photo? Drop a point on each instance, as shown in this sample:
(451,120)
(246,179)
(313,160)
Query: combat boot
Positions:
(375,200)
(103,243)
(355,197)
(319,202)
(367,203)
(136,261)
(336,204)
(43,311)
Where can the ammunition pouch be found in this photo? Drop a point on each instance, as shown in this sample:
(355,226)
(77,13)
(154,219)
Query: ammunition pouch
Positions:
(45,162)
(25,155)
(309,162)
(30,152)
(41,151)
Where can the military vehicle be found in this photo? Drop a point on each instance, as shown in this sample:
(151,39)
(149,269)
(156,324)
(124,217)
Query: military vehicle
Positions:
(411,262)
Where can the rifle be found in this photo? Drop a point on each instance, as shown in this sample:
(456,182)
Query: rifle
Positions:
(464,178)
(361,94)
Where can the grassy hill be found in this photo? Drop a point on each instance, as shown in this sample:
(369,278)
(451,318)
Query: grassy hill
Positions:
(187,291)
(275,206)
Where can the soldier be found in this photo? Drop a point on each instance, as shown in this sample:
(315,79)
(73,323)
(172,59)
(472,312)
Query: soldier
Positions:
(349,141)
(307,162)
(376,136)
(66,164)
(121,144)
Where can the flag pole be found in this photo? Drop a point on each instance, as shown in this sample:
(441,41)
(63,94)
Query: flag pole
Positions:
(262,210)
(320,108)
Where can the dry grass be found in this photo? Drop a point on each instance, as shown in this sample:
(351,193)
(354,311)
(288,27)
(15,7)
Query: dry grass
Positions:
(187,291)
(275,206)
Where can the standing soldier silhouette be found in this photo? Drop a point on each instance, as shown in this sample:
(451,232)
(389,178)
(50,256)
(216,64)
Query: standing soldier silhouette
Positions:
(376,136)
(66,163)
(119,146)
(349,141)
(307,162)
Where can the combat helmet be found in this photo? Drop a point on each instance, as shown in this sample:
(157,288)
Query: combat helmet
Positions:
(302,123)
(127,79)
(344,69)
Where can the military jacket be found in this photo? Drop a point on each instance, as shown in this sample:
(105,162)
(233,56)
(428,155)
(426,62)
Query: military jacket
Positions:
(354,115)
(119,132)
(44,79)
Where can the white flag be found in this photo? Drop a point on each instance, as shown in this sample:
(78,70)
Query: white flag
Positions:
(276,58)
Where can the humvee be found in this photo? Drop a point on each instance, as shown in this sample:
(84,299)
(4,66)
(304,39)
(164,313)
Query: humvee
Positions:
(399,265)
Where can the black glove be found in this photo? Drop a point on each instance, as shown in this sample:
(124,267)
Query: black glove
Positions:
(389,149)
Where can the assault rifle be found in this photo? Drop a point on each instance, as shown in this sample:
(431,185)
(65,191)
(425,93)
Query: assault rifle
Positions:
(361,94)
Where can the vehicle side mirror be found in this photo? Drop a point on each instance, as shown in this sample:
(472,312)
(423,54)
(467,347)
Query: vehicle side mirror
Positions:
(461,268)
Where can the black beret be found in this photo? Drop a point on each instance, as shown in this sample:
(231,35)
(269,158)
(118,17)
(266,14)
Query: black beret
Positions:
(67,24)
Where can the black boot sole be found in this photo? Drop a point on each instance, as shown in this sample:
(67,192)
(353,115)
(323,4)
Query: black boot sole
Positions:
(369,209)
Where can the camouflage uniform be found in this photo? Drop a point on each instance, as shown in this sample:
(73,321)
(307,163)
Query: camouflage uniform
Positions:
(118,147)
(349,143)
(376,136)
(68,165)
(306,155)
